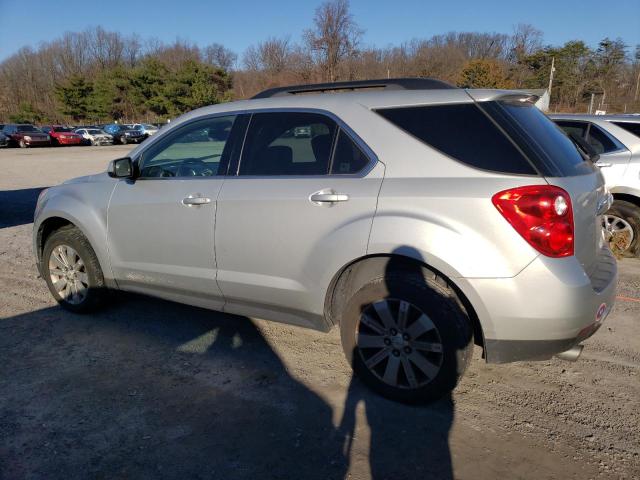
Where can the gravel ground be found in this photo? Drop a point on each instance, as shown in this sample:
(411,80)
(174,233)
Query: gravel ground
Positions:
(152,389)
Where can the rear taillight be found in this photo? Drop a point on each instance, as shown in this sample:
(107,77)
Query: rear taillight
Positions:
(542,214)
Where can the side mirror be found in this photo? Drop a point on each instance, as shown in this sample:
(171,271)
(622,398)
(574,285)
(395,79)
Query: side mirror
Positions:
(120,168)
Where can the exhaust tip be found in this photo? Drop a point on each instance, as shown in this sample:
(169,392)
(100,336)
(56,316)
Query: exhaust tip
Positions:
(572,354)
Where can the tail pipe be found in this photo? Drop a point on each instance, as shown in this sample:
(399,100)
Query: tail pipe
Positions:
(572,354)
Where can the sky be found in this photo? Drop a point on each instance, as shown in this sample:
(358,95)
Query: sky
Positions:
(240,23)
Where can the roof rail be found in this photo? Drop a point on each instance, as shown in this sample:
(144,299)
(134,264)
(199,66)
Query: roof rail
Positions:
(387,84)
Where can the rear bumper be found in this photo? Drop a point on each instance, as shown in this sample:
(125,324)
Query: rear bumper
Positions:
(546,309)
(69,141)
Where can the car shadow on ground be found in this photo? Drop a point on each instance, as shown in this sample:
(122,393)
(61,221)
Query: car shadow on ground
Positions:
(154,389)
(17,206)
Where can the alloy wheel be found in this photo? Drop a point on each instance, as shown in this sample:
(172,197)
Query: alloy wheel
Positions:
(617,227)
(399,343)
(68,274)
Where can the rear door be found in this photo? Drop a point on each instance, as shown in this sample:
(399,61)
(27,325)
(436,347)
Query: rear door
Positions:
(299,208)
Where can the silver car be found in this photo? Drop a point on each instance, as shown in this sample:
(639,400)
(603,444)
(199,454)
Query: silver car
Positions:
(616,141)
(419,218)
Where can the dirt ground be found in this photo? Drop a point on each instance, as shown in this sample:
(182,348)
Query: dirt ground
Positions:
(152,389)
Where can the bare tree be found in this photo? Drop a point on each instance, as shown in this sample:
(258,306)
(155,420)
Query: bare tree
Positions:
(219,56)
(334,36)
(273,55)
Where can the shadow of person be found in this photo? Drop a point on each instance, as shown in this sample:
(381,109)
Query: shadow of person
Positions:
(154,389)
(405,441)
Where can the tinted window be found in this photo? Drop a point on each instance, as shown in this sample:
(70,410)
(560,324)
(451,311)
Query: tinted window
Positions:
(196,150)
(347,158)
(288,143)
(463,132)
(62,129)
(27,128)
(629,127)
(600,141)
(544,143)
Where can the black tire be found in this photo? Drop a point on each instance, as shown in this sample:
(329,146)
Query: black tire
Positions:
(435,298)
(96,291)
(630,213)
(123,140)
(22,144)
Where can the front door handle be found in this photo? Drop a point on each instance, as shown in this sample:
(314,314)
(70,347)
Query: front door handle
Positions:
(328,197)
(195,200)
(603,164)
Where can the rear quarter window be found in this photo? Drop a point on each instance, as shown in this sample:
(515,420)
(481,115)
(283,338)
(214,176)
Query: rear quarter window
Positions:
(463,132)
(630,127)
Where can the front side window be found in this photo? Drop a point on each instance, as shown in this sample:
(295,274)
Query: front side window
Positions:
(195,150)
(27,128)
(288,143)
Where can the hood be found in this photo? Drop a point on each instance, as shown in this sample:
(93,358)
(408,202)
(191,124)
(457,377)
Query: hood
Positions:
(98,177)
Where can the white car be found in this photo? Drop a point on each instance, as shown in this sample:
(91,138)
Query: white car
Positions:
(146,128)
(95,136)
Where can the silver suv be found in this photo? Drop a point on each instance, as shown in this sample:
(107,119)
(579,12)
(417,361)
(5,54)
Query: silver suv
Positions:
(419,217)
(616,141)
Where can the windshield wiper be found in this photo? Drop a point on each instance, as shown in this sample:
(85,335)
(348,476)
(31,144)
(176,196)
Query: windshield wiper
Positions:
(586,150)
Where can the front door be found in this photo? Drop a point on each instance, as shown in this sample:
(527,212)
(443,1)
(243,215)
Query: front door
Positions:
(161,226)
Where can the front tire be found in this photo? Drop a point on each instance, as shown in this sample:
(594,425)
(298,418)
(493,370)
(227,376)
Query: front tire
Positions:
(72,271)
(22,144)
(407,336)
(622,222)
(123,140)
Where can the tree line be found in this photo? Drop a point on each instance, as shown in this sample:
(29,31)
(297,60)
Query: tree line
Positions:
(101,76)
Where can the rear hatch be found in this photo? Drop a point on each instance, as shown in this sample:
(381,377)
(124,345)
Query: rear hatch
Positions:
(556,158)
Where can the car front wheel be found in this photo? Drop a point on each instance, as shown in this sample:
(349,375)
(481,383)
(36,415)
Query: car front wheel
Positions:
(72,271)
(407,336)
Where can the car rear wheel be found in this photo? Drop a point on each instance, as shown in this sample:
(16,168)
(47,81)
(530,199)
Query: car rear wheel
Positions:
(407,336)
(72,271)
(622,223)
(22,144)
(123,140)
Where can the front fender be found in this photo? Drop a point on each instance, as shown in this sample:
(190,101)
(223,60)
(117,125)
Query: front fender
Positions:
(85,206)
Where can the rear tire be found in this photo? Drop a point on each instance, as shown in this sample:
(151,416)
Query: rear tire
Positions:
(22,144)
(72,271)
(624,217)
(418,353)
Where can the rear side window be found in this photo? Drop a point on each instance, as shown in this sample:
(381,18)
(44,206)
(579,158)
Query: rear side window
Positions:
(600,141)
(347,158)
(573,128)
(629,127)
(463,132)
(291,143)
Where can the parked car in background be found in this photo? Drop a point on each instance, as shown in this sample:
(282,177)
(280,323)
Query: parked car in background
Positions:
(61,135)
(4,140)
(26,135)
(616,140)
(418,217)
(146,128)
(123,134)
(95,136)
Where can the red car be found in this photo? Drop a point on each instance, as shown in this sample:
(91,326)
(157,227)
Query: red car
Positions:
(62,135)
(25,135)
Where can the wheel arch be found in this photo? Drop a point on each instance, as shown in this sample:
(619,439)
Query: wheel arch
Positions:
(627,197)
(356,273)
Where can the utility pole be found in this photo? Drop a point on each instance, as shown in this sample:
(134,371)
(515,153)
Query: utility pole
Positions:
(553,69)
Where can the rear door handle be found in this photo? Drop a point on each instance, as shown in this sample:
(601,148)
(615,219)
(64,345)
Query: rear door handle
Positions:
(329,197)
(195,200)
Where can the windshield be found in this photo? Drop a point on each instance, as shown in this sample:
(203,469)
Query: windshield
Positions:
(27,128)
(95,132)
(546,145)
(149,127)
(62,129)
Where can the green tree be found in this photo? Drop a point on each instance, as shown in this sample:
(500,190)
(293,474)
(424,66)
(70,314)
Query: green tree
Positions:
(26,113)
(484,73)
(74,96)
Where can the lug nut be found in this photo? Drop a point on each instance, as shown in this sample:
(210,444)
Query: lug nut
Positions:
(393,331)
(405,336)
(387,341)
(395,353)
(407,350)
